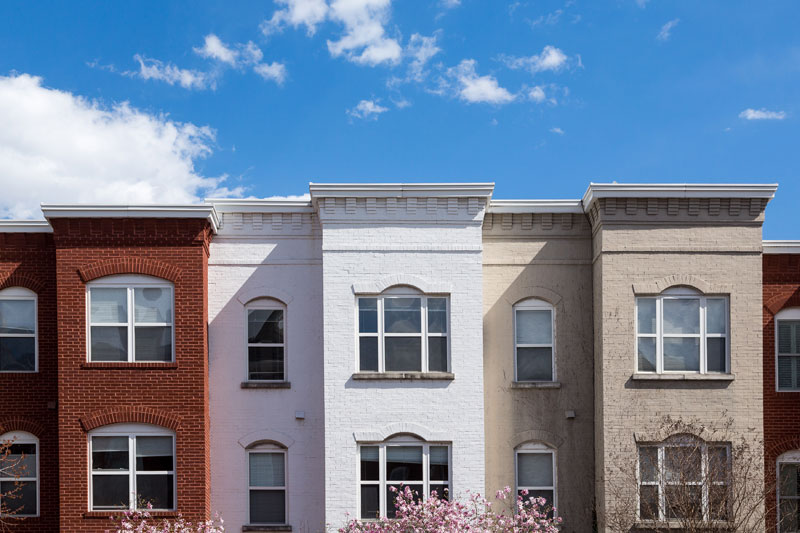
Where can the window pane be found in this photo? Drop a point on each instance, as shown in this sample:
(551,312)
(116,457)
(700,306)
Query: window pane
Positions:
(267,507)
(534,326)
(787,371)
(790,479)
(787,336)
(368,354)
(437,354)
(646,315)
(439,459)
(391,512)
(265,326)
(402,315)
(370,467)
(265,363)
(23,500)
(109,453)
(403,463)
(109,343)
(153,343)
(534,469)
(154,454)
(153,305)
(682,464)
(437,315)
(110,492)
(368,315)
(442,491)
(716,317)
(718,502)
(648,502)
(715,354)
(20,461)
(790,516)
(17,316)
(648,463)
(646,356)
(403,354)
(684,501)
(681,315)
(718,465)
(156,490)
(682,353)
(267,470)
(17,354)
(370,504)
(534,364)
(109,306)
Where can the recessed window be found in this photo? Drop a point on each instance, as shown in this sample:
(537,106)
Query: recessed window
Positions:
(132,465)
(267,484)
(789,492)
(266,346)
(534,327)
(682,331)
(787,349)
(18,343)
(398,463)
(19,475)
(536,473)
(403,331)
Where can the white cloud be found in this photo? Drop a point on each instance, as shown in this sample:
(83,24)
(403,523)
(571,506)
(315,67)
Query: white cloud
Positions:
(762,114)
(450,4)
(537,94)
(308,13)
(421,49)
(153,69)
(551,58)
(59,147)
(273,71)
(477,89)
(214,48)
(666,30)
(367,110)
(364,40)
(550,19)
(557,131)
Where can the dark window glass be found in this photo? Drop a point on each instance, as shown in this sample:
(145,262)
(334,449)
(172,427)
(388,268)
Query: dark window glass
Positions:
(265,362)
(267,507)
(110,492)
(17,354)
(391,496)
(370,505)
(403,354)
(403,463)
(534,364)
(109,343)
(437,354)
(370,466)
(265,326)
(368,315)
(156,489)
(368,353)
(153,343)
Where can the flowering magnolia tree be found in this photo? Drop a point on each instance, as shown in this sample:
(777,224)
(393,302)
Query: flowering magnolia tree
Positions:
(144,522)
(477,515)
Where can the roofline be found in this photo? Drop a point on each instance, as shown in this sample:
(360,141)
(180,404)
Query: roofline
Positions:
(677,190)
(25,226)
(535,206)
(265,205)
(132,211)
(400,190)
(781,247)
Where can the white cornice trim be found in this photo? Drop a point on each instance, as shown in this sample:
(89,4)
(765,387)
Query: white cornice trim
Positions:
(131,211)
(25,226)
(266,205)
(400,190)
(677,190)
(781,247)
(536,206)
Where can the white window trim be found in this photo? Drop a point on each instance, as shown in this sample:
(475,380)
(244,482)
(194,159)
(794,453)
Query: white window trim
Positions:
(681,294)
(535,447)
(383,483)
(539,305)
(21,293)
(132,431)
(22,437)
(128,282)
(424,334)
(269,305)
(792,457)
(269,448)
(785,314)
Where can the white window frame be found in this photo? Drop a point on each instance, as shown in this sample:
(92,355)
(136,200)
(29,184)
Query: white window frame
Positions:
(130,283)
(265,449)
(536,448)
(403,292)
(21,293)
(383,483)
(681,293)
(22,437)
(791,314)
(132,431)
(536,304)
(792,457)
(267,304)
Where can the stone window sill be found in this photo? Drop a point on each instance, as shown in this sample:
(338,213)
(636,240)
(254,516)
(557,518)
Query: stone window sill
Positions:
(266,385)
(536,385)
(682,377)
(425,376)
(105,515)
(285,527)
(128,366)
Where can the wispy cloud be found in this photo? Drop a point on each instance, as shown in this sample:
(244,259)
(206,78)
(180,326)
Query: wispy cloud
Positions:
(367,110)
(551,58)
(153,69)
(537,94)
(271,71)
(550,19)
(472,88)
(450,4)
(214,48)
(762,114)
(557,131)
(420,49)
(308,13)
(666,30)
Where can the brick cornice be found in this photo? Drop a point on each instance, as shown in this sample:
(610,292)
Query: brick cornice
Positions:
(17,279)
(789,297)
(21,424)
(127,415)
(129,265)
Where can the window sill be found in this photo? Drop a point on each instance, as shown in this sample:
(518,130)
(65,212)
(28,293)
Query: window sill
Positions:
(535,385)
(110,365)
(105,515)
(412,376)
(266,385)
(682,377)
(285,527)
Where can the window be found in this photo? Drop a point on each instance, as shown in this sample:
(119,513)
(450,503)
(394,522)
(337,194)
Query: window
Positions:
(682,331)
(267,484)
(789,492)
(406,461)
(19,475)
(536,472)
(130,319)
(787,349)
(18,330)
(534,328)
(403,331)
(684,478)
(265,342)
(132,465)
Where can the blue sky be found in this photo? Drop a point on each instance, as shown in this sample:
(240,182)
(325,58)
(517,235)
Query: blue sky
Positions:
(173,101)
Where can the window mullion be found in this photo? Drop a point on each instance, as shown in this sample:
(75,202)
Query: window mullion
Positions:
(382,480)
(424,333)
(132,470)
(131,336)
(703,341)
(426,461)
(659,337)
(381,337)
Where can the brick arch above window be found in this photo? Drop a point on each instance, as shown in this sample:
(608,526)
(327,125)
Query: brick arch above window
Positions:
(657,286)
(401,428)
(786,298)
(129,265)
(265,436)
(18,279)
(777,448)
(379,285)
(129,415)
(536,435)
(247,295)
(515,295)
(21,424)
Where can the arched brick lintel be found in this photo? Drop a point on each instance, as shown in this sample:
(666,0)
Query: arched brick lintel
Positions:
(129,265)
(780,446)
(785,298)
(130,415)
(16,279)
(21,424)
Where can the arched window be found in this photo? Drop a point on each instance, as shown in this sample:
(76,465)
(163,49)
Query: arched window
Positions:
(130,319)
(18,326)
(403,330)
(536,472)
(19,474)
(534,341)
(266,340)
(789,492)
(267,484)
(787,350)
(132,465)
(682,330)
(404,460)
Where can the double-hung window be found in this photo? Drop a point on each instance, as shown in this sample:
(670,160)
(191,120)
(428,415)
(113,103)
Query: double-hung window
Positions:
(789,492)
(682,331)
(130,319)
(18,330)
(266,346)
(19,475)
(787,349)
(403,331)
(267,485)
(534,326)
(536,473)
